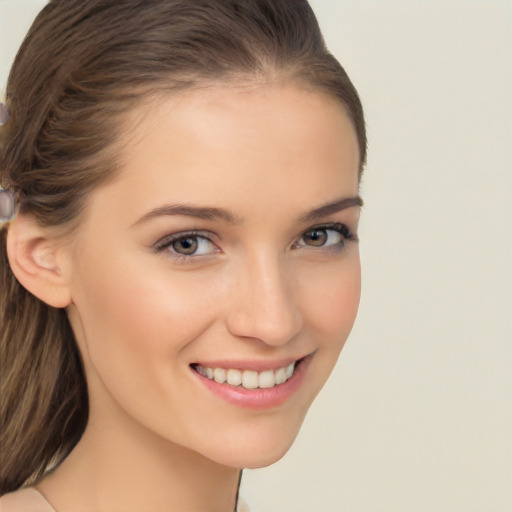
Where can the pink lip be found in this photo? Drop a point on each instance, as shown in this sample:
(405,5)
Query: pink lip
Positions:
(257,398)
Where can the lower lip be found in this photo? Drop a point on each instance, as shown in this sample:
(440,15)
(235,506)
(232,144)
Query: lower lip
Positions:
(258,398)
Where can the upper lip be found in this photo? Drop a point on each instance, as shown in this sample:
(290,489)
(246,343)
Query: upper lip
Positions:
(250,364)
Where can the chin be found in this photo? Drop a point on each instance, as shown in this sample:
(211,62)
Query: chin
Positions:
(254,457)
(266,460)
(256,448)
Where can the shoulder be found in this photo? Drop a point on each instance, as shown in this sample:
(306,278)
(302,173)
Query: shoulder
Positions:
(242,505)
(30,500)
(24,500)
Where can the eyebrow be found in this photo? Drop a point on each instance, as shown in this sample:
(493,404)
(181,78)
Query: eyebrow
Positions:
(331,208)
(198,212)
(219,214)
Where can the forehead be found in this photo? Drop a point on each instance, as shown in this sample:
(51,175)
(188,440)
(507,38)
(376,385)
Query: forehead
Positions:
(231,144)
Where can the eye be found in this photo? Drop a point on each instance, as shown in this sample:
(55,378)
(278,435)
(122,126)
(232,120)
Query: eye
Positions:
(187,245)
(332,235)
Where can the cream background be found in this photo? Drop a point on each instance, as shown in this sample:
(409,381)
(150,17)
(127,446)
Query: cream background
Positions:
(418,414)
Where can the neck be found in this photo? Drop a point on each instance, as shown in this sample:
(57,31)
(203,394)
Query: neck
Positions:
(121,466)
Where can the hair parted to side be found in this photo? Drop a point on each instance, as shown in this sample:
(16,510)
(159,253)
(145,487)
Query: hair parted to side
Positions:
(83,66)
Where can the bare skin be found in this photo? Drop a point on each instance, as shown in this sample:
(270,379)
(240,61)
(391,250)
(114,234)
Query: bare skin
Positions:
(274,277)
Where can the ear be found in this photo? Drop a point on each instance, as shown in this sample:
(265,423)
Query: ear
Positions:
(36,259)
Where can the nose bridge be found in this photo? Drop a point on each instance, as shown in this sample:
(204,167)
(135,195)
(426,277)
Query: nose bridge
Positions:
(264,307)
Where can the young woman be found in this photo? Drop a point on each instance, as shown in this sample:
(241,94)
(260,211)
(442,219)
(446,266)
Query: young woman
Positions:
(183,270)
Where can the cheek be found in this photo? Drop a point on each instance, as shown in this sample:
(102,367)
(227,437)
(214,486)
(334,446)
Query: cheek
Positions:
(135,331)
(331,301)
(140,318)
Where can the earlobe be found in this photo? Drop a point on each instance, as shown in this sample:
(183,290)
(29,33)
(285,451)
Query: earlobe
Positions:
(35,259)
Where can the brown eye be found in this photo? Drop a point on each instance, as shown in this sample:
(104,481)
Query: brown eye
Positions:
(316,237)
(187,245)
(332,236)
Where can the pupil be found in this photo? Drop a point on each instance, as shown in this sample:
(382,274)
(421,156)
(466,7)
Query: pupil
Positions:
(185,245)
(318,237)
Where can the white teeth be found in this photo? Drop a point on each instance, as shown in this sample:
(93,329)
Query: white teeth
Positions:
(281,376)
(234,377)
(219,374)
(248,379)
(267,379)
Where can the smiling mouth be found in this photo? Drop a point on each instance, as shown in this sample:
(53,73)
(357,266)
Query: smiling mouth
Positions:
(248,379)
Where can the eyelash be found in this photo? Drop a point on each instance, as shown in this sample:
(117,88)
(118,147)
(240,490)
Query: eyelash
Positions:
(165,243)
(338,227)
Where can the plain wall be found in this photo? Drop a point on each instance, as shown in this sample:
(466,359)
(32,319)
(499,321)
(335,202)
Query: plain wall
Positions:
(418,414)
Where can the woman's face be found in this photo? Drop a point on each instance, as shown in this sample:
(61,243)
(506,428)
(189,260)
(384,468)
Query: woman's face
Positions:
(225,249)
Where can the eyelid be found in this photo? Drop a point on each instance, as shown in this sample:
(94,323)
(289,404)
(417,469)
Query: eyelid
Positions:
(164,242)
(167,240)
(341,228)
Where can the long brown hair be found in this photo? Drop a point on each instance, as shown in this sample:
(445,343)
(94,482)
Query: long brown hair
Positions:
(83,65)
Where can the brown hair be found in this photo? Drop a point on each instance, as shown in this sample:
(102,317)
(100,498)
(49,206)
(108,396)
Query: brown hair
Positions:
(83,65)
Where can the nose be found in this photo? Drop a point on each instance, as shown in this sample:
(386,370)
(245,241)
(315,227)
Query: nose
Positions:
(262,305)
